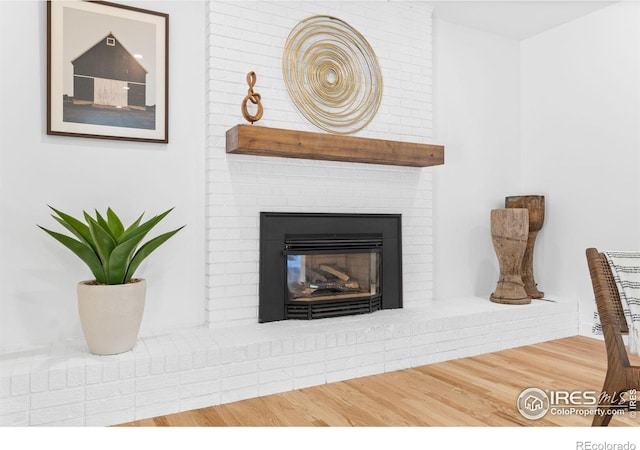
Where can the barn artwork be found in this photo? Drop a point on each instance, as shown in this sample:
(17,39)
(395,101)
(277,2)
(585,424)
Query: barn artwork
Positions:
(109,88)
(108,75)
(107,71)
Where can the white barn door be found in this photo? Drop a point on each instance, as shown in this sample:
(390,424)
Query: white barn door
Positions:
(110,92)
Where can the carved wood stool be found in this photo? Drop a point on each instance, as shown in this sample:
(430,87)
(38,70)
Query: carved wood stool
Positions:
(535,205)
(509,233)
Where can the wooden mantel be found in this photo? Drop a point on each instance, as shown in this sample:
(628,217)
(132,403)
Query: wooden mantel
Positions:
(265,141)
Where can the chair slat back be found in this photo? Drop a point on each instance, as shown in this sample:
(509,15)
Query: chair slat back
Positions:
(606,291)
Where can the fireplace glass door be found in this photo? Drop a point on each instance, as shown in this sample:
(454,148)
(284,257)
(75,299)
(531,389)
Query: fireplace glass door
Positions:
(331,277)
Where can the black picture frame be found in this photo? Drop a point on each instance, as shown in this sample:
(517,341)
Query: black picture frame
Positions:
(107,71)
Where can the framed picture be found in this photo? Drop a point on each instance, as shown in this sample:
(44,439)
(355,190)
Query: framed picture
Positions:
(107,71)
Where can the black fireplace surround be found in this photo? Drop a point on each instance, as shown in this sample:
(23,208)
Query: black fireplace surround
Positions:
(290,242)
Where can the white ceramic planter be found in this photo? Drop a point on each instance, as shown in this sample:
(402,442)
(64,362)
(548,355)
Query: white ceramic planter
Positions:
(110,315)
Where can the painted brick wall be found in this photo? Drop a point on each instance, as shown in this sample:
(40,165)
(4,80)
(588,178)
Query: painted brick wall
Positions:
(250,36)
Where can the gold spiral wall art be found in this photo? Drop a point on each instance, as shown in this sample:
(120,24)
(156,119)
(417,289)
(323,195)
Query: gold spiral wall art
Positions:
(332,74)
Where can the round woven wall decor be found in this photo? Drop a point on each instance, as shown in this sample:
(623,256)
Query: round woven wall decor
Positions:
(332,74)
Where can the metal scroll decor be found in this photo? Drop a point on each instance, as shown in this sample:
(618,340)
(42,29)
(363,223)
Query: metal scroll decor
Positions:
(332,74)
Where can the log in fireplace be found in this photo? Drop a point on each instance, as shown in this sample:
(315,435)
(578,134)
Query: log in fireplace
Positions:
(318,265)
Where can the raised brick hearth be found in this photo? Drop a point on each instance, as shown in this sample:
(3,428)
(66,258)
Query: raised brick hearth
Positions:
(195,368)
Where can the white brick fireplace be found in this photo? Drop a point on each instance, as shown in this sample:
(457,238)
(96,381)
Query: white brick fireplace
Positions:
(250,36)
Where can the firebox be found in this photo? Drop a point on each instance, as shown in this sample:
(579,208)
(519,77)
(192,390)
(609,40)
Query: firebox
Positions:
(318,265)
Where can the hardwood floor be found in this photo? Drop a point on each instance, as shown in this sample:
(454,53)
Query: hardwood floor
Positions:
(477,391)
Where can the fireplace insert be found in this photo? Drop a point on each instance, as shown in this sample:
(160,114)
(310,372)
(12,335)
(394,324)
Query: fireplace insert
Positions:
(318,265)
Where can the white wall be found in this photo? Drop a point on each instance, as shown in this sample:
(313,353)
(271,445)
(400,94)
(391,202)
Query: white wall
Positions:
(477,118)
(581,143)
(37,275)
(553,115)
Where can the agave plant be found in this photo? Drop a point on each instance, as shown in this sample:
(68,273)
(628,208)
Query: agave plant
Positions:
(106,246)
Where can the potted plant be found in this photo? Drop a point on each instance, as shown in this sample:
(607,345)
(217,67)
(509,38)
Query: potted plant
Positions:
(111,305)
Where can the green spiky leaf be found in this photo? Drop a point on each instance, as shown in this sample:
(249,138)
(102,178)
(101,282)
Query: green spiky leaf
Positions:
(111,252)
(143,229)
(102,239)
(115,224)
(134,225)
(146,250)
(84,252)
(119,261)
(79,229)
(104,225)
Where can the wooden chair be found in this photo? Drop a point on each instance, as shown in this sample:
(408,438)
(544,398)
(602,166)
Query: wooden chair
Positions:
(621,375)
